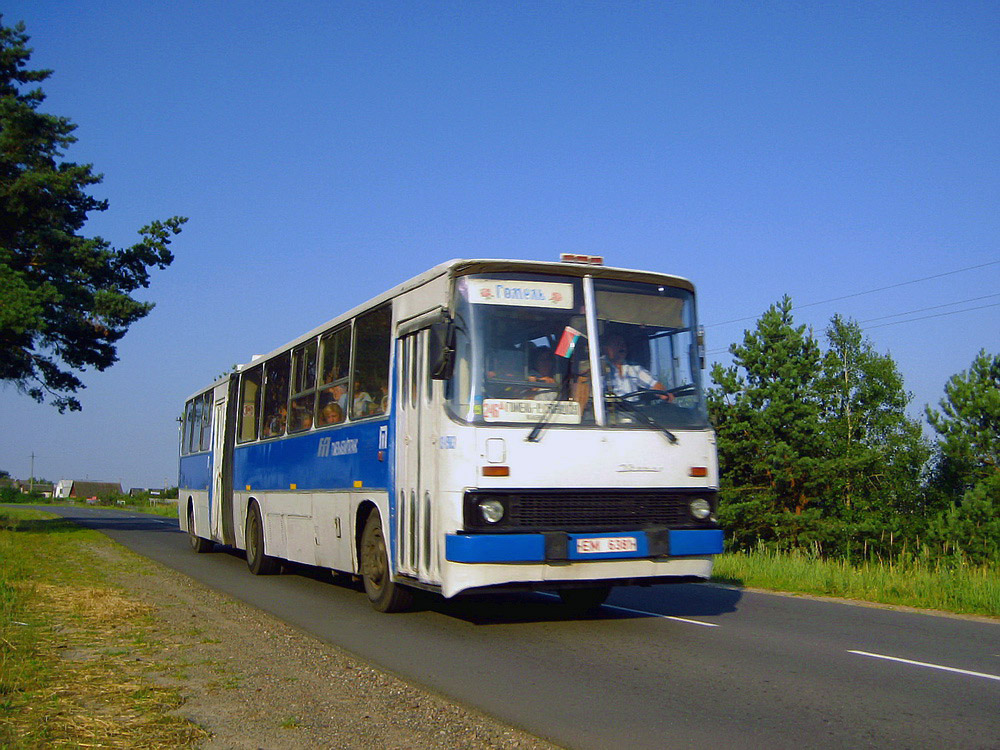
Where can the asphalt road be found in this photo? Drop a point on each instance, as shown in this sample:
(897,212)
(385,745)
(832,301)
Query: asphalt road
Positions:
(662,667)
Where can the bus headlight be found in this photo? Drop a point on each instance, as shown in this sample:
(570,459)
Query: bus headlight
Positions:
(492,510)
(700,508)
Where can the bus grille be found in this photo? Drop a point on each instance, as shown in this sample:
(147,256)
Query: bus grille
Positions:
(587,510)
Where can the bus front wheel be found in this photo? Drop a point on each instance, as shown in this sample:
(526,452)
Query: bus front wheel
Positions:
(384,594)
(259,563)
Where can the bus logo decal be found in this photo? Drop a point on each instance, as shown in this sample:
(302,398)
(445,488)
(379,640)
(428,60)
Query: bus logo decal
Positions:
(328,447)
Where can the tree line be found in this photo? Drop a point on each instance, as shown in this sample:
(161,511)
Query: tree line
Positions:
(817,452)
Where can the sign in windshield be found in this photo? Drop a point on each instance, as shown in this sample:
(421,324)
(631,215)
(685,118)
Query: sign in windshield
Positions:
(552,295)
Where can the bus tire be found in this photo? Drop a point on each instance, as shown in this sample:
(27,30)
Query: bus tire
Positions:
(259,563)
(384,594)
(581,601)
(198,544)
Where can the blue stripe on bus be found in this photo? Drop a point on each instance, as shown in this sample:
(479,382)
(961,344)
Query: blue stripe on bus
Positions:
(482,548)
(499,548)
(195,471)
(327,459)
(695,542)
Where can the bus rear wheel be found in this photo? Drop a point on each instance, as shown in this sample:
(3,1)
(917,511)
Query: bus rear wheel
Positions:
(198,544)
(259,563)
(384,594)
(581,601)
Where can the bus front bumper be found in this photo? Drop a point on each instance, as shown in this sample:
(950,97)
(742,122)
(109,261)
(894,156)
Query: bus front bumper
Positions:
(562,547)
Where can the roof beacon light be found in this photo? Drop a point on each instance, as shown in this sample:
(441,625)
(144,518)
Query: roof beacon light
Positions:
(590,260)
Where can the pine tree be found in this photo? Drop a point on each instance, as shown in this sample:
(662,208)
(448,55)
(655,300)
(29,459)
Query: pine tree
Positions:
(968,426)
(65,299)
(766,408)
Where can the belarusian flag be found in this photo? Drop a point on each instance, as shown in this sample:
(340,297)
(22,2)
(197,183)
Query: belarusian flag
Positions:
(568,342)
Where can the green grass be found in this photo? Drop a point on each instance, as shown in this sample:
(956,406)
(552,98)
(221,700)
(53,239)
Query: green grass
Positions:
(55,600)
(957,587)
(167,508)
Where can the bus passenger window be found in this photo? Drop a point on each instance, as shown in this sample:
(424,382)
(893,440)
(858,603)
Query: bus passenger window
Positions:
(275,416)
(206,422)
(194,435)
(335,362)
(189,422)
(370,381)
(249,405)
(303,388)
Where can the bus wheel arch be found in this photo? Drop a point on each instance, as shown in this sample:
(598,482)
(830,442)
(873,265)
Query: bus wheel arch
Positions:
(198,544)
(259,563)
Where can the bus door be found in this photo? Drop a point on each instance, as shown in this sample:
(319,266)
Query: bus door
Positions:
(414,520)
(216,493)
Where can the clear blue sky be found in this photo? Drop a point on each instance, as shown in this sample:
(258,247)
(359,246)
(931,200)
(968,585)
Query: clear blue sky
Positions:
(325,151)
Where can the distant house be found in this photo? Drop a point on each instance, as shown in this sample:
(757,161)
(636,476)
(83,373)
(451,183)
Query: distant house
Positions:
(94,489)
(24,486)
(63,486)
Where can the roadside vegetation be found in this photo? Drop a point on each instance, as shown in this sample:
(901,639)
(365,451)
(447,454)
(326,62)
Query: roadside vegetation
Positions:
(907,581)
(74,650)
(828,486)
(139,503)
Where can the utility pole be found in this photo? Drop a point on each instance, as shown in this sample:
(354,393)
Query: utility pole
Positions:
(31,479)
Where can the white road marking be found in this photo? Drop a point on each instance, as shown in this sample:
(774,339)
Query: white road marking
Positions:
(925,664)
(665,617)
(647,614)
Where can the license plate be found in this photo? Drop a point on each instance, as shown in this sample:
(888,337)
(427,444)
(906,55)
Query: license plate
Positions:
(606,544)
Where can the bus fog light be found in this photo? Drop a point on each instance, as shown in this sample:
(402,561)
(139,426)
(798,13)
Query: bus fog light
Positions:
(492,510)
(700,508)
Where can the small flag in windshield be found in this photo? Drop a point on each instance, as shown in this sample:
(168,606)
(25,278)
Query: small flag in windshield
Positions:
(568,342)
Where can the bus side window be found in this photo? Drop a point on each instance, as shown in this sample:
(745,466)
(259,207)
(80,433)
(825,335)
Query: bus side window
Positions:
(206,422)
(249,405)
(188,427)
(370,379)
(300,416)
(194,434)
(275,416)
(335,362)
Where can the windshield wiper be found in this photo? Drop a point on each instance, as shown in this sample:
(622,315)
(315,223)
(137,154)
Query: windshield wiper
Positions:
(645,418)
(563,391)
(560,396)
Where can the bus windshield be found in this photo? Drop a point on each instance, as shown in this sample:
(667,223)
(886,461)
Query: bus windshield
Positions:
(523,353)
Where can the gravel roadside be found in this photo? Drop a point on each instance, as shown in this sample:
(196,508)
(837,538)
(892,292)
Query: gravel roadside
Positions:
(253,681)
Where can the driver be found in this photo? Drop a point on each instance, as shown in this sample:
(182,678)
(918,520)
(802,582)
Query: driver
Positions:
(623,378)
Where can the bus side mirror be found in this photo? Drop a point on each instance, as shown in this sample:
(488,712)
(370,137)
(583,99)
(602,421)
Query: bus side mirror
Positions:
(441,350)
(701,346)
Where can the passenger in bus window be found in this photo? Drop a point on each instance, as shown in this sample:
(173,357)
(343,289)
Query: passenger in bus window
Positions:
(542,370)
(543,366)
(276,424)
(330,412)
(340,396)
(301,419)
(362,401)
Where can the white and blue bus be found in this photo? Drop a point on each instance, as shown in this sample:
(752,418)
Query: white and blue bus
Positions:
(490,425)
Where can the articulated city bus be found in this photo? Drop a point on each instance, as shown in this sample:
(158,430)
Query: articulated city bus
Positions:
(490,425)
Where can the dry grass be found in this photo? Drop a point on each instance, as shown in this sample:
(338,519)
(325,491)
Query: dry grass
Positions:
(75,659)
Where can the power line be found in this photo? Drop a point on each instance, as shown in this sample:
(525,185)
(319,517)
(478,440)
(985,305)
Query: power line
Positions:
(910,312)
(870,291)
(938,315)
(934,307)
